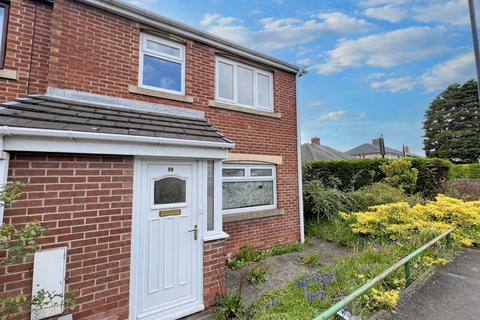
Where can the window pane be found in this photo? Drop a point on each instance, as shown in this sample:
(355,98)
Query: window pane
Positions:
(210,197)
(245,86)
(263,90)
(225,81)
(169,190)
(233,172)
(161,73)
(163,48)
(247,194)
(261,172)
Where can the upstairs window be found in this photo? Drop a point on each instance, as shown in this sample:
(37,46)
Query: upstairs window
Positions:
(162,65)
(243,85)
(3,31)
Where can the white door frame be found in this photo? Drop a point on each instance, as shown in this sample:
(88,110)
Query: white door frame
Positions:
(136,225)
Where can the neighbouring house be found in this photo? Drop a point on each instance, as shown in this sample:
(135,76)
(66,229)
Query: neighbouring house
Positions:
(316,151)
(150,150)
(372,150)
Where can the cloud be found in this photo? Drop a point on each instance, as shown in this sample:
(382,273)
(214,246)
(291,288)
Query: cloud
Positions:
(451,12)
(457,69)
(394,85)
(385,49)
(304,61)
(341,115)
(389,13)
(277,33)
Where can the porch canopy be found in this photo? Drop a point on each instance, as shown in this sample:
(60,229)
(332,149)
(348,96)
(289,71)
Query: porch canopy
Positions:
(73,122)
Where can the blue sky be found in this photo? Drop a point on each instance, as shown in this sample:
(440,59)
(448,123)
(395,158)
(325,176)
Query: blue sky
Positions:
(374,65)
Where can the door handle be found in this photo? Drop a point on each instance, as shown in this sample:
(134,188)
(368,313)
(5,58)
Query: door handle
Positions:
(195,232)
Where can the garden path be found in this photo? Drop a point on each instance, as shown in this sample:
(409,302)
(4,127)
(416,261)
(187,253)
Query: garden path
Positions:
(453,292)
(283,268)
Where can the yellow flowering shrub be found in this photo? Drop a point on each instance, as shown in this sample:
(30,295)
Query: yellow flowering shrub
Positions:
(399,219)
(429,261)
(380,300)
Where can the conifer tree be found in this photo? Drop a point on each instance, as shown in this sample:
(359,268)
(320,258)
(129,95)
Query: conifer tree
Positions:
(452,124)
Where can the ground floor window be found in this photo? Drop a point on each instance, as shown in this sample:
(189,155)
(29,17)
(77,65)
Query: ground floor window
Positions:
(248,187)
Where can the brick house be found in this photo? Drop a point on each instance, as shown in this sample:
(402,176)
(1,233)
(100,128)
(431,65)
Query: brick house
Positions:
(149,149)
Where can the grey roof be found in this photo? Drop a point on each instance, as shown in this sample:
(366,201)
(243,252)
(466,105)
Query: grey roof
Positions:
(321,152)
(47,112)
(369,148)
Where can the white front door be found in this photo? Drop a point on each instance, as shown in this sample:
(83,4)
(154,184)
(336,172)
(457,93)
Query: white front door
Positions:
(167,250)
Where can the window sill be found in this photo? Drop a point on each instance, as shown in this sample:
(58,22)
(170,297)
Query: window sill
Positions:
(214,237)
(232,107)
(252,215)
(8,74)
(159,94)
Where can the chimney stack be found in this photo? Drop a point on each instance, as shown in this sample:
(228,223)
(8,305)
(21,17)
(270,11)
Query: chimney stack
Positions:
(315,140)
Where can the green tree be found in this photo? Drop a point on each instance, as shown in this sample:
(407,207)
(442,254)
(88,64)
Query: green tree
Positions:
(452,124)
(400,174)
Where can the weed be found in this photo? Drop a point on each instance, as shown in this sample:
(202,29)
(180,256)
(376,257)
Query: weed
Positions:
(310,259)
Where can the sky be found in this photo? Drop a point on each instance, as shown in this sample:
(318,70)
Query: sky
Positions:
(374,65)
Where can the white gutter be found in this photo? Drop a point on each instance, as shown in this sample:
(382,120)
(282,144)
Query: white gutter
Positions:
(299,159)
(162,23)
(73,135)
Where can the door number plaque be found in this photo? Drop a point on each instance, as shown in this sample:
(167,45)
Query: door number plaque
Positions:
(166,213)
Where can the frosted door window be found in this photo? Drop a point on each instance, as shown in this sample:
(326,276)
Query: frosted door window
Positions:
(169,190)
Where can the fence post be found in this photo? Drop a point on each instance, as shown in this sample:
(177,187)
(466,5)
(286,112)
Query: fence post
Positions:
(408,274)
(449,239)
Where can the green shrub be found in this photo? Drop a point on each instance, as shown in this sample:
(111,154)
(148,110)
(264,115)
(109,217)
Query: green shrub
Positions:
(400,174)
(432,174)
(466,171)
(379,193)
(355,174)
(310,259)
(323,203)
(347,174)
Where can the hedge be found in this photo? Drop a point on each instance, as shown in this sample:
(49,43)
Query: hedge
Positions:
(466,171)
(350,175)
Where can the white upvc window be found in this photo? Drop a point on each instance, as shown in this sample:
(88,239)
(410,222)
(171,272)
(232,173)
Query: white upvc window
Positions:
(248,187)
(213,196)
(162,65)
(243,85)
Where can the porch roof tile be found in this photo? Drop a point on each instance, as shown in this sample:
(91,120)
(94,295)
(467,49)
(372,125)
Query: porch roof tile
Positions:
(46,112)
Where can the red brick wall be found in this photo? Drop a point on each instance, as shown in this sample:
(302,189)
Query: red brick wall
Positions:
(28,47)
(213,271)
(82,61)
(86,204)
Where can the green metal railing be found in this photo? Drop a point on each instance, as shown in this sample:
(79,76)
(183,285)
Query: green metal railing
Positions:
(370,284)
